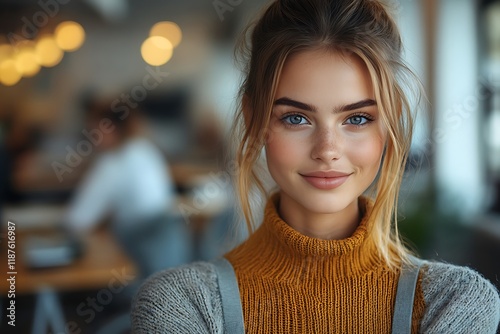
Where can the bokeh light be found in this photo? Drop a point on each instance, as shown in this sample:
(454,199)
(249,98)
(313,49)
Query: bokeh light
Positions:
(47,52)
(156,50)
(9,75)
(26,61)
(69,36)
(168,30)
(6,51)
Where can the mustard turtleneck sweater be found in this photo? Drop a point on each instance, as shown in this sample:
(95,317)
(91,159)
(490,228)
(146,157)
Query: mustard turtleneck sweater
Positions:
(292,283)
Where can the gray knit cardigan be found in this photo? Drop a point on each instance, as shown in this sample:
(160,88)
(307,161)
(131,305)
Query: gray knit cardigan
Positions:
(187,300)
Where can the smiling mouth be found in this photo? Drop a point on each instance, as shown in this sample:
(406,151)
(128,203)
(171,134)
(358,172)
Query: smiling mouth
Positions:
(326,180)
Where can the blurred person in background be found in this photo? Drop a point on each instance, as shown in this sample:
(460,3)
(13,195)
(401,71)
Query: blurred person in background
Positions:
(129,182)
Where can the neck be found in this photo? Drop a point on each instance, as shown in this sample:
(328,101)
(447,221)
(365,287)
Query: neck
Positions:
(327,226)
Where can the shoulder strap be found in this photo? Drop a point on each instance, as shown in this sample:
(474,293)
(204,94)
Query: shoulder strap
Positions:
(405,295)
(230,295)
(233,313)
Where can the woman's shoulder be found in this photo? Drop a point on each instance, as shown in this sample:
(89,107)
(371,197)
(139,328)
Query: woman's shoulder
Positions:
(458,299)
(185,299)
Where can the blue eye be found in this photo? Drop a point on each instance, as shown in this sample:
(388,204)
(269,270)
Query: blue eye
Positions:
(294,120)
(358,120)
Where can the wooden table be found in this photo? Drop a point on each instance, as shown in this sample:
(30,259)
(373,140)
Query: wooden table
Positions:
(102,266)
(101,260)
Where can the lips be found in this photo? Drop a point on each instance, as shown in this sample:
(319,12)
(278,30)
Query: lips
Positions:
(326,174)
(326,180)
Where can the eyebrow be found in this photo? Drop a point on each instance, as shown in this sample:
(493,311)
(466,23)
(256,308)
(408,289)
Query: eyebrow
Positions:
(285,101)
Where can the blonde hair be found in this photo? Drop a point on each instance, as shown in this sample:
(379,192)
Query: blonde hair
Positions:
(360,27)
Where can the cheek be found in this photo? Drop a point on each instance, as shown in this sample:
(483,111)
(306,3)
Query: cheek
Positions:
(285,152)
(368,154)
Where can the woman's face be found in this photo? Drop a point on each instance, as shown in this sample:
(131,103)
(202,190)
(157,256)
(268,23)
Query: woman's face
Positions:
(326,138)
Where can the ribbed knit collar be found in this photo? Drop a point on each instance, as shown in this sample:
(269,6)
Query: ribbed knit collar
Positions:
(278,248)
(303,245)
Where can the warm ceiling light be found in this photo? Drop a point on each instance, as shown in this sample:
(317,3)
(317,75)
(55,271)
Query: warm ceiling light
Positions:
(169,30)
(47,52)
(6,51)
(69,36)
(156,50)
(9,75)
(26,60)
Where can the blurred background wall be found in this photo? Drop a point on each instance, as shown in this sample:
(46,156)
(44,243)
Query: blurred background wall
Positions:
(59,59)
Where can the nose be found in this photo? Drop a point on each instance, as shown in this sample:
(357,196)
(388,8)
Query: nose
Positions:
(327,145)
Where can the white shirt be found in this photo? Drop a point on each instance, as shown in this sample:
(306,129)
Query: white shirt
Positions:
(132,183)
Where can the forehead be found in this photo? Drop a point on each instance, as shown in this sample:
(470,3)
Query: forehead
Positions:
(325,78)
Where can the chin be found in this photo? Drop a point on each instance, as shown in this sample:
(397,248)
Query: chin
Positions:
(325,203)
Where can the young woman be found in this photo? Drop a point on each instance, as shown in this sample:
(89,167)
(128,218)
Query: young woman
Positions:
(323,96)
